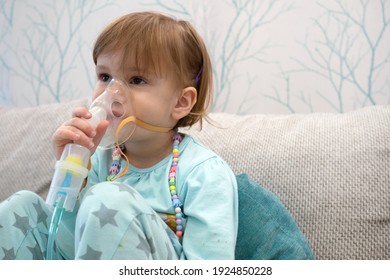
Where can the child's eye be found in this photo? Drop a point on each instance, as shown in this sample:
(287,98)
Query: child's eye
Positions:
(104,77)
(137,81)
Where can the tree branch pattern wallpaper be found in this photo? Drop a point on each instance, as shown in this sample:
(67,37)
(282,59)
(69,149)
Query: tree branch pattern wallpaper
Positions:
(269,56)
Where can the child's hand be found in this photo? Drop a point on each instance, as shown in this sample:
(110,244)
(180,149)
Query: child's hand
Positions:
(79,131)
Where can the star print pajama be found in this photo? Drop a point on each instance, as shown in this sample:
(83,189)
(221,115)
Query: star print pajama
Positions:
(112,222)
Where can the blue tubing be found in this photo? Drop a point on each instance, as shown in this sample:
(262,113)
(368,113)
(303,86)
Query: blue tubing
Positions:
(55,221)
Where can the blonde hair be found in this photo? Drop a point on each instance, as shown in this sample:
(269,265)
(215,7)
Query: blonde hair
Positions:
(163,45)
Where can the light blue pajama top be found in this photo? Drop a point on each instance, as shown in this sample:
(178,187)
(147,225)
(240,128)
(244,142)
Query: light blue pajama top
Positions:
(206,186)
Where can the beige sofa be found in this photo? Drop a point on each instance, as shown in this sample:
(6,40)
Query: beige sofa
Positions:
(331,171)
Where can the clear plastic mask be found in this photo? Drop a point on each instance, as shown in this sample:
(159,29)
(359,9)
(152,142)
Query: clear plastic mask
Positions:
(114,105)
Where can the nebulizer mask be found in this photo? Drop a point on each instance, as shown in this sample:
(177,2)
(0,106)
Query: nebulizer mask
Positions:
(114,104)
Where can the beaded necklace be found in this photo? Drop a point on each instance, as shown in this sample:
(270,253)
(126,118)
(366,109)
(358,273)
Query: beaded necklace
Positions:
(176,203)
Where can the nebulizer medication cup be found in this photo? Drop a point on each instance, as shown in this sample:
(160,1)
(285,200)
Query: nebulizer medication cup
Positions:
(70,172)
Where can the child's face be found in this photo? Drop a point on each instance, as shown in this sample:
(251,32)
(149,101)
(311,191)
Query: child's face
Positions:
(152,99)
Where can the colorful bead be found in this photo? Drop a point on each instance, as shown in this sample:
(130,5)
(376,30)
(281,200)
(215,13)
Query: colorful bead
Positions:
(116,163)
(177,137)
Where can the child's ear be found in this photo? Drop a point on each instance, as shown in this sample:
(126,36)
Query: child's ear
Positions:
(184,104)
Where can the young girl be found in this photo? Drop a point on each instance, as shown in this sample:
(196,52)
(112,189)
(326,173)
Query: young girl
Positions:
(167,197)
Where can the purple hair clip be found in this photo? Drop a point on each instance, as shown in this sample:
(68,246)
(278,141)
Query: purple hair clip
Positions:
(197,79)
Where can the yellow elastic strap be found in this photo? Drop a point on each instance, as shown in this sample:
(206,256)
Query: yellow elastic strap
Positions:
(141,124)
(150,126)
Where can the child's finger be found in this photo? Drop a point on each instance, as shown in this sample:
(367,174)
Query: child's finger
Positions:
(83,125)
(81,112)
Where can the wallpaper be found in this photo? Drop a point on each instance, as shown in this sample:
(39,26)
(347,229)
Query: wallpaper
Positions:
(269,56)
